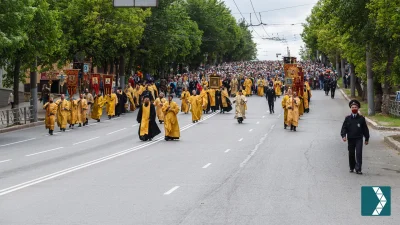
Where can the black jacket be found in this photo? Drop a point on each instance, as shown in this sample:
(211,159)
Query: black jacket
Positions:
(270,94)
(355,127)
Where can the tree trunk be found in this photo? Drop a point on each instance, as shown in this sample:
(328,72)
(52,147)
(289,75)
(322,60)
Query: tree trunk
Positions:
(338,63)
(130,63)
(34,92)
(343,67)
(378,97)
(364,96)
(352,80)
(105,67)
(386,85)
(116,73)
(370,83)
(17,67)
(358,87)
(122,71)
(111,66)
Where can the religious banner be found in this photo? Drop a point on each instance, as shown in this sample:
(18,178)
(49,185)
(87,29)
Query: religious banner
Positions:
(108,81)
(72,80)
(215,82)
(96,82)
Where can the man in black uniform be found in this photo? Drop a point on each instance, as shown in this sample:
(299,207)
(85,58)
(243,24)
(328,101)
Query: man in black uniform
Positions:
(333,85)
(271,97)
(355,127)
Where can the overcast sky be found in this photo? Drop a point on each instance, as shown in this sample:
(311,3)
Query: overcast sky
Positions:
(267,49)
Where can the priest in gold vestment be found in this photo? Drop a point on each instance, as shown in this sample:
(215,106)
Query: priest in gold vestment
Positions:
(171,125)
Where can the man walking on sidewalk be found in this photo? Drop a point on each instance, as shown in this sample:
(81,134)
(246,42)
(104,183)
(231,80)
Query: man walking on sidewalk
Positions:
(355,128)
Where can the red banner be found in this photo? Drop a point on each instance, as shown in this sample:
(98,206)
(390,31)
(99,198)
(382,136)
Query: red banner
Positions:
(108,81)
(96,82)
(72,80)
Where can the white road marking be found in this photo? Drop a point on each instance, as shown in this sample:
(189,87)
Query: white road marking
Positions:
(67,130)
(227,150)
(258,122)
(207,165)
(172,190)
(254,150)
(87,164)
(37,153)
(250,130)
(135,125)
(17,142)
(263,116)
(279,116)
(116,131)
(91,139)
(272,127)
(241,139)
(7,160)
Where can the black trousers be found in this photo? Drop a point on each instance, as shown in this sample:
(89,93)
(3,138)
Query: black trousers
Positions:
(333,92)
(271,106)
(355,153)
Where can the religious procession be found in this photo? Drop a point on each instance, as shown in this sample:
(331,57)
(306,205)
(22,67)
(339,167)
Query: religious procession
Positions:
(162,102)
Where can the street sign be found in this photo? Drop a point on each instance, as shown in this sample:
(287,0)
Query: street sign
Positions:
(135,3)
(86,68)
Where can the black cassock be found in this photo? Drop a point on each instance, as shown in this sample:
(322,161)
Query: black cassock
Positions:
(153,128)
(124,99)
(118,109)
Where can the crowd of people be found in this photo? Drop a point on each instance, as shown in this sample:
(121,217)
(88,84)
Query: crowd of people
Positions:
(237,82)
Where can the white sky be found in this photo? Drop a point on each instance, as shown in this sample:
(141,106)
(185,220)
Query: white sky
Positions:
(267,49)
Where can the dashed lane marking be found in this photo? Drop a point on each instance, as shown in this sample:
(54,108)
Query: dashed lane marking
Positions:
(91,139)
(207,165)
(7,160)
(37,153)
(227,150)
(171,190)
(116,131)
(17,142)
(241,139)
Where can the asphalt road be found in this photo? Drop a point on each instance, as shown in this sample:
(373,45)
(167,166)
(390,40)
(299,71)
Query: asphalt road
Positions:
(220,172)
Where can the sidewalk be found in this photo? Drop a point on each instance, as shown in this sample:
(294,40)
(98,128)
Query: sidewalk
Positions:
(40,114)
(391,135)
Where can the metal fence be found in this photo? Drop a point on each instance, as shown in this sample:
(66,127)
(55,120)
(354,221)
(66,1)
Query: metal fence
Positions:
(21,115)
(394,108)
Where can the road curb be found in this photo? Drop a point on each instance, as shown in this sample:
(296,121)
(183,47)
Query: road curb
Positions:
(20,127)
(370,122)
(392,143)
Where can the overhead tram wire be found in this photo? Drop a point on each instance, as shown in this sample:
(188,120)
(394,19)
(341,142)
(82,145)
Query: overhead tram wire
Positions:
(259,20)
(290,7)
(245,19)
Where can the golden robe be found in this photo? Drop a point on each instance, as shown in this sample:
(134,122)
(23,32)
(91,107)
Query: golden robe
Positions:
(278,85)
(212,97)
(292,104)
(247,85)
(234,86)
(240,109)
(50,117)
(144,124)
(136,96)
(171,124)
(204,83)
(158,103)
(260,87)
(155,90)
(301,106)
(285,114)
(130,93)
(224,96)
(305,97)
(73,113)
(82,110)
(111,102)
(196,109)
(62,113)
(204,98)
(152,91)
(97,110)
(185,98)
